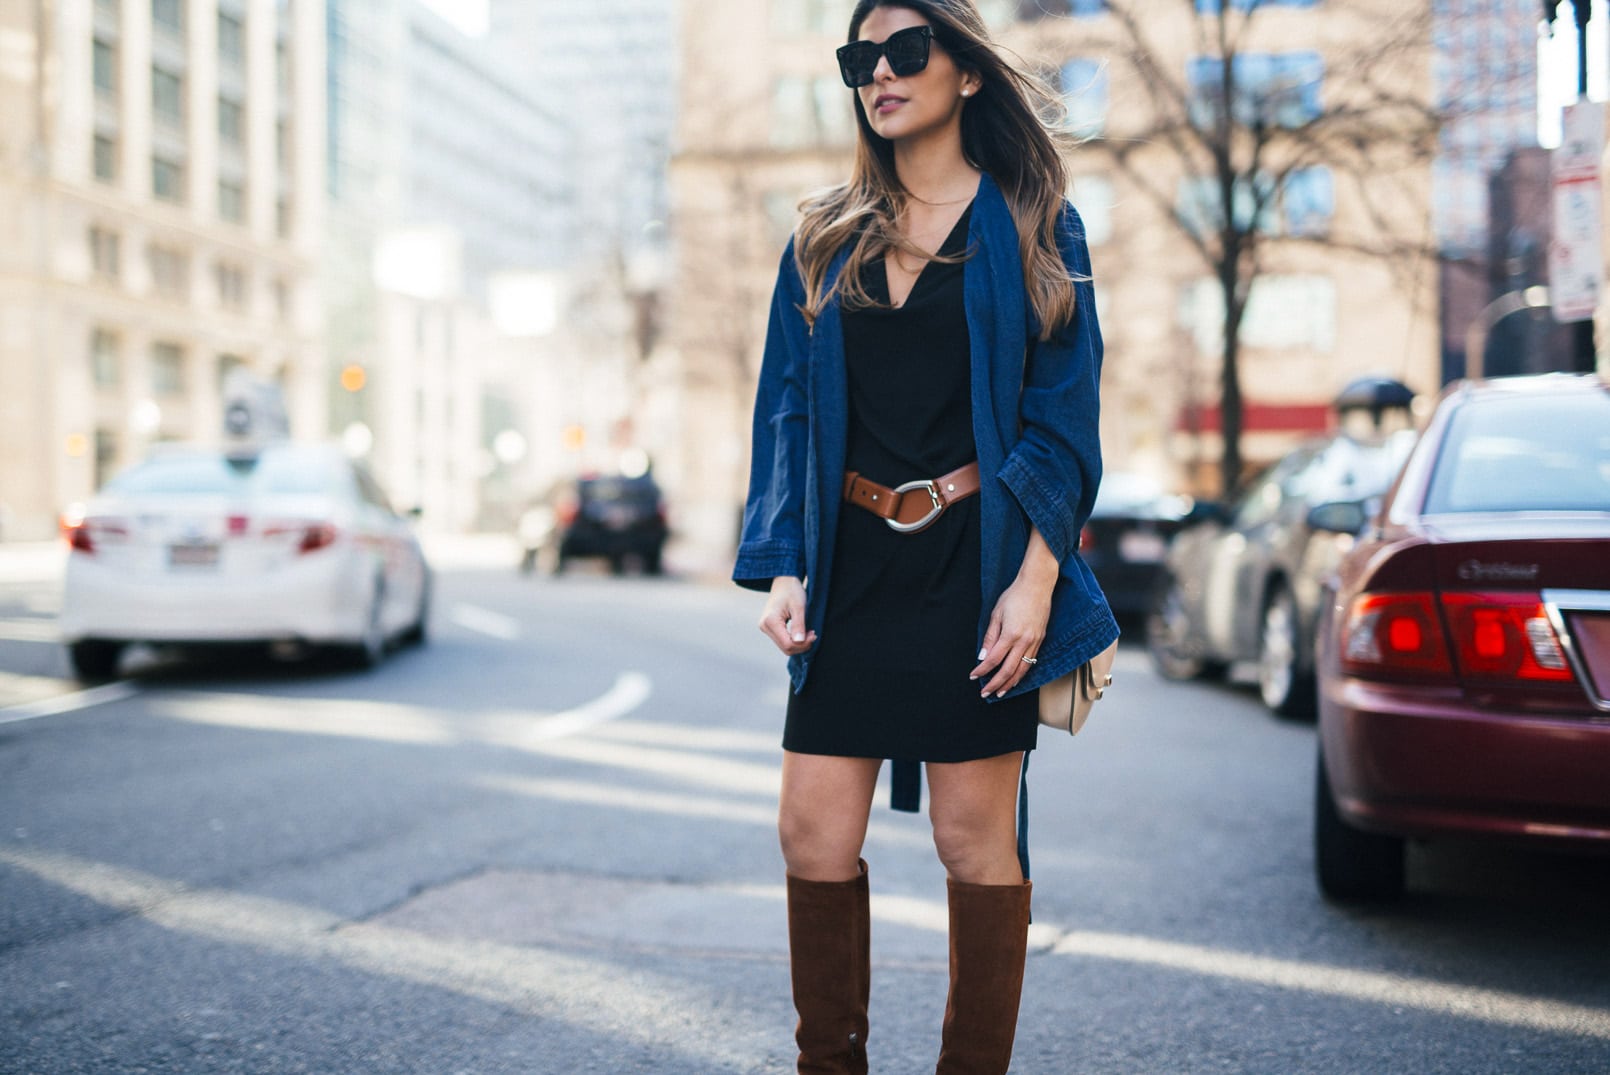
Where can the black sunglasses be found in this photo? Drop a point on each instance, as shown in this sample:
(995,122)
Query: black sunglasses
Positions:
(907,51)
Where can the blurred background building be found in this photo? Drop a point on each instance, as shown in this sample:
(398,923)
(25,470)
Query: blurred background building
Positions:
(495,245)
(445,172)
(161,176)
(1492,237)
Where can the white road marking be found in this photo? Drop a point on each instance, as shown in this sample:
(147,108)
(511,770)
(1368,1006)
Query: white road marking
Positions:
(631,690)
(67,703)
(485,621)
(29,630)
(401,723)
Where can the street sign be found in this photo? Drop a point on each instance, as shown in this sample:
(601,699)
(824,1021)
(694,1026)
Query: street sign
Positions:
(1576,252)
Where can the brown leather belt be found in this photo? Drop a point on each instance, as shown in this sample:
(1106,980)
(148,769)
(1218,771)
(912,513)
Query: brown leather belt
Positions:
(915,505)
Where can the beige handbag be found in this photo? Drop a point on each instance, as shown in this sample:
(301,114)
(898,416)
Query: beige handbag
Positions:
(1066,702)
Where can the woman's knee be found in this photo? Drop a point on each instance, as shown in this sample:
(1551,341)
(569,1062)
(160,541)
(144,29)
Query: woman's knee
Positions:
(963,842)
(818,848)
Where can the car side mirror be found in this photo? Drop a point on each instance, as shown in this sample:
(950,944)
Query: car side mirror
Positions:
(1339,517)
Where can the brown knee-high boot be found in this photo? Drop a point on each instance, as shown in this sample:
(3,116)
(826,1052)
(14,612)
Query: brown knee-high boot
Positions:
(989,936)
(830,961)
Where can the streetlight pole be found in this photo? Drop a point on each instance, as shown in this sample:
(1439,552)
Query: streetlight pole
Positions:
(1584,354)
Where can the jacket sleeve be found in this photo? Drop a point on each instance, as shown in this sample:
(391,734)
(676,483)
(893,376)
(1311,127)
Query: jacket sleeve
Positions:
(1055,467)
(773,539)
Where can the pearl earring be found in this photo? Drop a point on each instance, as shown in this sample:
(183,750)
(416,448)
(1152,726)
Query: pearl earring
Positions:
(967,93)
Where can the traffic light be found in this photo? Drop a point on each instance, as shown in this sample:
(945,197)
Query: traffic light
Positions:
(353,377)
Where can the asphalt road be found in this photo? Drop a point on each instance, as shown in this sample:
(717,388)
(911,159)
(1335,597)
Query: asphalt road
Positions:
(544,843)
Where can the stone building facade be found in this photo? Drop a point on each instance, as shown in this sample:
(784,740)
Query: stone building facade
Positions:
(754,137)
(161,173)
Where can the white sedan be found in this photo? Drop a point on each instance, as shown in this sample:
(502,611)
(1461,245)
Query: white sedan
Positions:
(288,542)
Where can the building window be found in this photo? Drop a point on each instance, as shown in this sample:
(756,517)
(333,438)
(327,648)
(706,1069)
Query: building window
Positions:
(811,112)
(169,14)
(1279,89)
(106,455)
(282,217)
(1302,207)
(105,68)
(282,143)
(231,39)
(170,272)
(1308,202)
(282,300)
(105,157)
(231,122)
(790,18)
(167,369)
(104,252)
(1212,7)
(228,364)
(167,179)
(167,95)
(1284,312)
(1092,196)
(231,282)
(105,362)
(231,201)
(1084,95)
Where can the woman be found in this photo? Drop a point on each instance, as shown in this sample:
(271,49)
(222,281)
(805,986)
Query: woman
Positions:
(925,454)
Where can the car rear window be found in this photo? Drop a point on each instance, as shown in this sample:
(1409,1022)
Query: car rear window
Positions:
(274,473)
(1538,453)
(619,490)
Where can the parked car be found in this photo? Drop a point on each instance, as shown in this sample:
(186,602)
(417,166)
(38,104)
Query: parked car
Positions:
(1127,537)
(615,517)
(199,545)
(1464,654)
(1243,583)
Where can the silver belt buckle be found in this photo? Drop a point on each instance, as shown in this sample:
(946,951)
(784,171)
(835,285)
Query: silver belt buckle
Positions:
(933,495)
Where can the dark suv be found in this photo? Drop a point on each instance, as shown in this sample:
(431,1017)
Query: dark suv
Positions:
(615,517)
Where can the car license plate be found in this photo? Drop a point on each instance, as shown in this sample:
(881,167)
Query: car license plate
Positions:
(200,555)
(618,518)
(1140,548)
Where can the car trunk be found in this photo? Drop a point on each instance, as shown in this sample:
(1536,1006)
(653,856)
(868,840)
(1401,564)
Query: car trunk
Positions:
(1496,575)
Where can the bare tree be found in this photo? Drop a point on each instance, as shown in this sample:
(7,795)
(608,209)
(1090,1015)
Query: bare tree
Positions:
(1242,124)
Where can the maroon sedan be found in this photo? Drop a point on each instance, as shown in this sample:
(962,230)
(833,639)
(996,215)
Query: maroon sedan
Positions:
(1464,662)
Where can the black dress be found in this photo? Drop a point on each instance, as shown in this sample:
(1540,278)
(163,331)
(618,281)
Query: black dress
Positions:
(900,636)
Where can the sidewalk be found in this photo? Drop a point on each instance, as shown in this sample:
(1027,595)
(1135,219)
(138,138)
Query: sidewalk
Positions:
(32,561)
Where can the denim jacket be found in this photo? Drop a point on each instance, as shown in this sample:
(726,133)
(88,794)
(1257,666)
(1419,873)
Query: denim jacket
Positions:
(1035,413)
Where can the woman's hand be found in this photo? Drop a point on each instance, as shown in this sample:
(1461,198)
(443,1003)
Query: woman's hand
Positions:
(1017,625)
(783,620)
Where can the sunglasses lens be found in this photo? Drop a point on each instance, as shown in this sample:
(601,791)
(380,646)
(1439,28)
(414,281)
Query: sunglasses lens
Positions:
(857,62)
(908,51)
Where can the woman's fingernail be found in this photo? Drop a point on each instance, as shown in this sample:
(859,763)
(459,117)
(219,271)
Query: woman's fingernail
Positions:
(972,677)
(799,638)
(982,653)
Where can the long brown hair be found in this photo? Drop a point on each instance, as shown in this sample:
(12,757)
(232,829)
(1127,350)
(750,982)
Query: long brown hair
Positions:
(1010,130)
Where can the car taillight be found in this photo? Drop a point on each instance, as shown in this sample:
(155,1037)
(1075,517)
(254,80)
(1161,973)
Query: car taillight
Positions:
(82,532)
(309,537)
(1394,633)
(1489,636)
(317,537)
(567,510)
(1504,636)
(1087,540)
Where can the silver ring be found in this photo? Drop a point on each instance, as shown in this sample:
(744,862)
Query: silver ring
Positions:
(1029,660)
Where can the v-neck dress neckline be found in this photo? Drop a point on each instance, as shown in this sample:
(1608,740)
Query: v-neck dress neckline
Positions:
(880,276)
